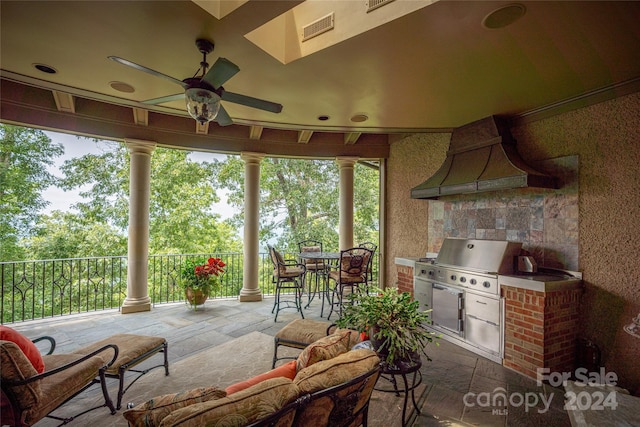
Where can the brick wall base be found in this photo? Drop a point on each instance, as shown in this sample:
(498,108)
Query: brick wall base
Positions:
(405,279)
(540,329)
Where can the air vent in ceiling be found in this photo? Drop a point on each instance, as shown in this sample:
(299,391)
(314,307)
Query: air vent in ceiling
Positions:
(317,27)
(374,4)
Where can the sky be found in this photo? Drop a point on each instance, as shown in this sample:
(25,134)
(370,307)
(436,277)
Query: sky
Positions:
(76,147)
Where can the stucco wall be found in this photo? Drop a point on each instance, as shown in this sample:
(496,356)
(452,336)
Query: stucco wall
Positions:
(411,160)
(606,137)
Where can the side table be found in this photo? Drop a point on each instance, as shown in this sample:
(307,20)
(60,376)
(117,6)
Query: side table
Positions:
(403,369)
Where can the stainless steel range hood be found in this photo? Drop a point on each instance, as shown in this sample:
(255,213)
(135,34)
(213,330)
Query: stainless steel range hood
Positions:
(482,156)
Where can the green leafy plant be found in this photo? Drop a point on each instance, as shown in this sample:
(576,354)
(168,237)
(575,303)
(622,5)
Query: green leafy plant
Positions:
(393,320)
(202,276)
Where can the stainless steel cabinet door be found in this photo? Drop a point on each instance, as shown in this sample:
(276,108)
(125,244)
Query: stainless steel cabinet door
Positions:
(482,333)
(447,307)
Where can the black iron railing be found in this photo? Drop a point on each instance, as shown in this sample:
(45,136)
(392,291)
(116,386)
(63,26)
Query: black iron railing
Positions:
(56,287)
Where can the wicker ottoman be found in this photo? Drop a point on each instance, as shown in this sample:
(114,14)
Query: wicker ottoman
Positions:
(132,350)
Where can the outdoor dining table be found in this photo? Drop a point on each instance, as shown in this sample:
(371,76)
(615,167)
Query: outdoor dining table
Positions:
(328,258)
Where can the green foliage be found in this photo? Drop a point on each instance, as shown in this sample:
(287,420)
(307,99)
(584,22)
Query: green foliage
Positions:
(299,200)
(393,320)
(181,196)
(67,235)
(24,156)
(195,275)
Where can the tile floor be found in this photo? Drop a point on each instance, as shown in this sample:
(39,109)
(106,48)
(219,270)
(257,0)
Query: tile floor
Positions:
(461,386)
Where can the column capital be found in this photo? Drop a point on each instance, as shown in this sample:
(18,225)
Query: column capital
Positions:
(346,162)
(251,157)
(140,146)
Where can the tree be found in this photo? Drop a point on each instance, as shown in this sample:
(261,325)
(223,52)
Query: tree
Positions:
(181,219)
(24,156)
(299,200)
(67,235)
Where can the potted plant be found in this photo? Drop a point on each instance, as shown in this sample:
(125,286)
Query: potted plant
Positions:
(199,279)
(393,321)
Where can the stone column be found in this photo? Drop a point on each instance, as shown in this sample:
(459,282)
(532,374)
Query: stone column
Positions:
(345,228)
(250,289)
(138,251)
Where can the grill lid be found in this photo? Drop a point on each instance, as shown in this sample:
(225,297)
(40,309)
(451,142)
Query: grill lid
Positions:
(487,256)
(482,156)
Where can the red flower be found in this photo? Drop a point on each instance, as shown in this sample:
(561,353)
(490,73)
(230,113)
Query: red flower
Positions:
(213,266)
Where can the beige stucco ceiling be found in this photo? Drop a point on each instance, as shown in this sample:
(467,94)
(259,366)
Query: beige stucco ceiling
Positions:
(432,66)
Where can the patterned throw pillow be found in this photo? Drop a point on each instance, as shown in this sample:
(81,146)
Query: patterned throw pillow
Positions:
(239,409)
(151,413)
(329,373)
(324,349)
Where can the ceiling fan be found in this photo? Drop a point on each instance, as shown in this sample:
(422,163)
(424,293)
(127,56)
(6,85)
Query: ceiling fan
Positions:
(203,93)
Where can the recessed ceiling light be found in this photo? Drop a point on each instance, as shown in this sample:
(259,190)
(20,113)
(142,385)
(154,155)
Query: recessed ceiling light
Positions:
(504,16)
(323,118)
(122,87)
(359,118)
(45,68)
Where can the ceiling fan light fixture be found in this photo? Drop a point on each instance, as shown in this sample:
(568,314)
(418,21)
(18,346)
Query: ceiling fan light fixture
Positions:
(202,104)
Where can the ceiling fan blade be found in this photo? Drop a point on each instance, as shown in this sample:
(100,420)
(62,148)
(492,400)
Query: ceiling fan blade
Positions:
(164,99)
(148,70)
(223,118)
(220,72)
(251,102)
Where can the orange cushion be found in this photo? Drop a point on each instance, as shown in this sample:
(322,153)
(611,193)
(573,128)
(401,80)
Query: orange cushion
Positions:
(288,370)
(28,348)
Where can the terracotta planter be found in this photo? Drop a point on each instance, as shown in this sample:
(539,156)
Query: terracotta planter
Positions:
(196,297)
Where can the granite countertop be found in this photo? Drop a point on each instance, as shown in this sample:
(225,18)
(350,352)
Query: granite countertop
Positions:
(543,281)
(407,261)
(546,280)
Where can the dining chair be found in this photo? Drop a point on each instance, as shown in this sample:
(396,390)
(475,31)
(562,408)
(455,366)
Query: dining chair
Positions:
(348,275)
(316,267)
(289,277)
(372,247)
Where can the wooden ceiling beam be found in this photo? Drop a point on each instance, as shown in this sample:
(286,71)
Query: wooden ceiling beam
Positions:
(304,136)
(64,102)
(141,116)
(255,132)
(350,138)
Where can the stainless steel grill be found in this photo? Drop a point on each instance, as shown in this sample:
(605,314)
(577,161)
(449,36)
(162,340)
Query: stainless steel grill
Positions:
(461,287)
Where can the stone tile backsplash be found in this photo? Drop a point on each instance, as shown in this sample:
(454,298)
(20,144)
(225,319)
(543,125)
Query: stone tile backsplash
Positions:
(545,221)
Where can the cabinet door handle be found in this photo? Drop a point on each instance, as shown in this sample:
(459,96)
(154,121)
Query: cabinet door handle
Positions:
(480,302)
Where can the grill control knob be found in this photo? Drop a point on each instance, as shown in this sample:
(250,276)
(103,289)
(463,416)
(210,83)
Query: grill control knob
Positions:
(463,279)
(473,281)
(486,284)
(453,277)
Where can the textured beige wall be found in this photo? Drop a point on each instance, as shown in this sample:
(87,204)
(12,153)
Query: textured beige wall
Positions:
(411,161)
(606,137)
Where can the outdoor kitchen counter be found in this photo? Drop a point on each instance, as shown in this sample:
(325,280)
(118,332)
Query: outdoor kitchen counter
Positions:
(407,261)
(541,282)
